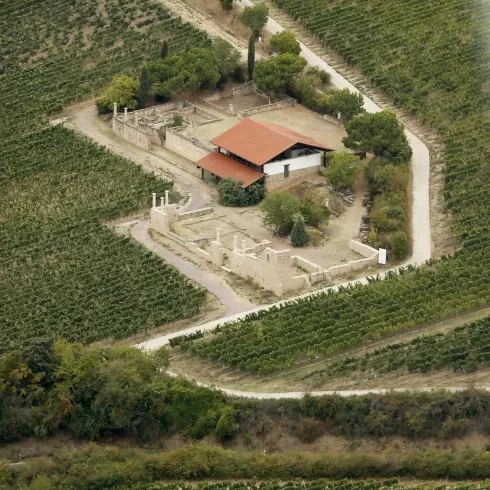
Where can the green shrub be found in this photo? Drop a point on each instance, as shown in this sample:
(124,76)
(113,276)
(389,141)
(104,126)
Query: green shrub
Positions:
(231,193)
(344,101)
(314,214)
(285,42)
(400,245)
(279,209)
(227,426)
(343,169)
(226,4)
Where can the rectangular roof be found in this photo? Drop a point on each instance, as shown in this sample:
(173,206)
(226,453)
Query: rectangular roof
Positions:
(225,167)
(259,142)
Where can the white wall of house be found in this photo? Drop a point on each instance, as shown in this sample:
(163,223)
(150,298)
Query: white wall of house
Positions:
(298,163)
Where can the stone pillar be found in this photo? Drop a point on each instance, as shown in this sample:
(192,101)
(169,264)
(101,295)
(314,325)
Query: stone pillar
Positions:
(339,116)
(231,108)
(154,194)
(136,119)
(244,245)
(125,114)
(166,198)
(235,242)
(218,235)
(115,109)
(162,202)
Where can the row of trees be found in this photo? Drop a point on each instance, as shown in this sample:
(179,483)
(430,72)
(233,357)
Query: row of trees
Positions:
(190,70)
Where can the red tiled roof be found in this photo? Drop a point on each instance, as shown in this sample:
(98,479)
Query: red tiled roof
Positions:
(259,142)
(224,167)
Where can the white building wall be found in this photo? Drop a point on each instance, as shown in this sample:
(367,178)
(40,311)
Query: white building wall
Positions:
(299,163)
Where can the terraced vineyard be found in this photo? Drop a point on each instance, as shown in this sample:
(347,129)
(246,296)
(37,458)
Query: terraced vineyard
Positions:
(63,272)
(464,349)
(432,58)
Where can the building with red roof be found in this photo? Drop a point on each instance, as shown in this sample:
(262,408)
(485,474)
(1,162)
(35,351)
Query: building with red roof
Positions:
(254,150)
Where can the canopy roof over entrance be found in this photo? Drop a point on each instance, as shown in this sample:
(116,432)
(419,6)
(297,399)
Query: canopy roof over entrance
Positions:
(224,167)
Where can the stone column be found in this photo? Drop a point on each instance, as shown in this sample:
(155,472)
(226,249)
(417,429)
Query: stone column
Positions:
(231,108)
(235,242)
(166,198)
(125,114)
(136,119)
(162,202)
(218,235)
(154,194)
(115,109)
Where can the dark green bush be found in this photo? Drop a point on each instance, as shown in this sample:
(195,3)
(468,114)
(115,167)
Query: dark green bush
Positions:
(400,245)
(231,193)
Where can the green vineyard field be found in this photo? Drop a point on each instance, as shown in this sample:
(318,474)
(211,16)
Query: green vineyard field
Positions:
(433,59)
(64,273)
(464,349)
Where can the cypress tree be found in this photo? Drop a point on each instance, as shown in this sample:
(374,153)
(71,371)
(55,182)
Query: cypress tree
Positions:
(164,50)
(299,237)
(251,56)
(144,87)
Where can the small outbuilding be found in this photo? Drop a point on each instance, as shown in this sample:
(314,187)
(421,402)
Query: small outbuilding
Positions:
(254,150)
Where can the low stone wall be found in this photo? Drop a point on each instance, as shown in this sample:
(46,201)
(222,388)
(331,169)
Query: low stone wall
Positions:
(362,249)
(370,260)
(191,148)
(208,101)
(134,135)
(246,89)
(194,214)
(305,264)
(266,108)
(276,180)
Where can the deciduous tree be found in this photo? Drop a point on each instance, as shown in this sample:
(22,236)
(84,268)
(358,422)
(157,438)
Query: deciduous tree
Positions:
(123,90)
(343,169)
(279,209)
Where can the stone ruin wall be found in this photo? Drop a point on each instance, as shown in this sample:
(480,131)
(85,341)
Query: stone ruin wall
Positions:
(191,148)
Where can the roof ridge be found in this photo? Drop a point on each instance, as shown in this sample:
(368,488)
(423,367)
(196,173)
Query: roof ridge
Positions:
(265,124)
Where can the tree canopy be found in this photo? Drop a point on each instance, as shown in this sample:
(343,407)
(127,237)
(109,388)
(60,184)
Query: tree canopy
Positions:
(280,209)
(343,169)
(378,133)
(123,90)
(255,17)
(231,193)
(346,102)
(277,75)
(285,42)
(195,69)
(191,70)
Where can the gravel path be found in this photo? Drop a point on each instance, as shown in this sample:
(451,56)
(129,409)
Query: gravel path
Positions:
(233,303)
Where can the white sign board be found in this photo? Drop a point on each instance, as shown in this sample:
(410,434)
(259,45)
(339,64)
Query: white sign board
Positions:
(382,256)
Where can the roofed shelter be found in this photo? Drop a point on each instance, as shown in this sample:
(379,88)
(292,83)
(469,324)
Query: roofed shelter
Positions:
(266,150)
